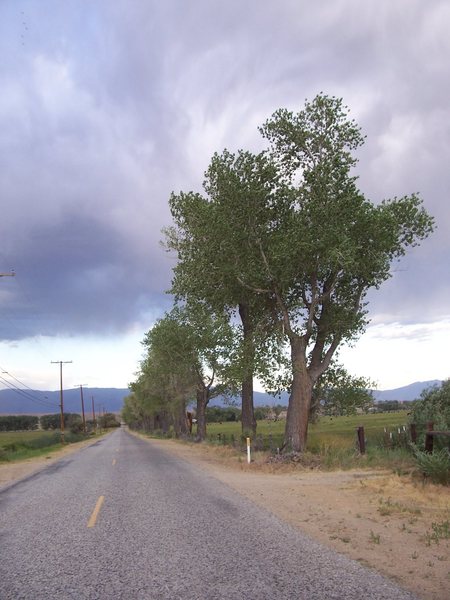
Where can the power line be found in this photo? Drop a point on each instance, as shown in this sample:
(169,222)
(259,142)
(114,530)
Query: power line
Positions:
(25,394)
(18,380)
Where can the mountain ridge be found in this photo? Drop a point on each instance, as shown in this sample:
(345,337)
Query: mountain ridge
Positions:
(25,401)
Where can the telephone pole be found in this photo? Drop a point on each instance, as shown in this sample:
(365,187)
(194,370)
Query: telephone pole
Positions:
(82,407)
(93,415)
(61,400)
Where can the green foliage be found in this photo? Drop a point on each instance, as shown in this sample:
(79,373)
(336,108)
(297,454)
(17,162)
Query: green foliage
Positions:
(440,531)
(435,465)
(434,406)
(108,420)
(287,234)
(18,423)
(337,393)
(189,356)
(218,414)
(52,422)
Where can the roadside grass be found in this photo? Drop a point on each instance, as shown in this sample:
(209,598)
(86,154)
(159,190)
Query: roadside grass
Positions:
(20,445)
(336,431)
(332,441)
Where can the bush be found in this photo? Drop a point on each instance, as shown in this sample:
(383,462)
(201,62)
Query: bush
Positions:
(436,465)
(433,405)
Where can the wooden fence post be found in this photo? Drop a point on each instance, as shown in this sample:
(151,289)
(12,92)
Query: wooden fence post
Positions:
(429,437)
(413,433)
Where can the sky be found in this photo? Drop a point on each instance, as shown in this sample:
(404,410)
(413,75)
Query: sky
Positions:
(107,107)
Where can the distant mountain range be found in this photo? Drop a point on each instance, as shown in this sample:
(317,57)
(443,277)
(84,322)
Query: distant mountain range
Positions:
(405,393)
(402,394)
(28,401)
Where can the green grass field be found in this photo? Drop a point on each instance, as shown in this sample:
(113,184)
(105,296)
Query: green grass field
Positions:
(18,445)
(333,440)
(336,431)
(18,437)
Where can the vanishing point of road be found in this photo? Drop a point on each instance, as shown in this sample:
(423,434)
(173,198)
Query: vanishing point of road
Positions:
(122,519)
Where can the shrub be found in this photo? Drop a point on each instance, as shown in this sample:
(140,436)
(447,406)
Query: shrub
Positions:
(433,405)
(436,466)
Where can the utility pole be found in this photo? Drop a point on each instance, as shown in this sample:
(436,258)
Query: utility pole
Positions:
(82,407)
(61,400)
(93,415)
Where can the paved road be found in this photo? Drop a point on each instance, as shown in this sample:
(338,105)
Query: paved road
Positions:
(123,520)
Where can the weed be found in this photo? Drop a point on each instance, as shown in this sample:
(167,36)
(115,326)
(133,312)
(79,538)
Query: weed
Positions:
(387,507)
(374,538)
(414,555)
(441,531)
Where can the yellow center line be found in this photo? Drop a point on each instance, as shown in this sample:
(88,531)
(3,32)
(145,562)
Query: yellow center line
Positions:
(114,461)
(94,515)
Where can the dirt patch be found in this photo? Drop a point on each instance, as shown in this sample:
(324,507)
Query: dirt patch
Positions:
(382,520)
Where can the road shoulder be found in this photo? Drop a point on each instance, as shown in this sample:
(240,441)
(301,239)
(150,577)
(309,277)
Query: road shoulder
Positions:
(380,519)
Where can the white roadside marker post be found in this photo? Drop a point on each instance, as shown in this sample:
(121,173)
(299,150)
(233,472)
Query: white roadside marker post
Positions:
(249,458)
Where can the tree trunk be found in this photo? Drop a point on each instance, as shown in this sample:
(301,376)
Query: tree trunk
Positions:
(248,415)
(164,422)
(179,418)
(202,401)
(296,430)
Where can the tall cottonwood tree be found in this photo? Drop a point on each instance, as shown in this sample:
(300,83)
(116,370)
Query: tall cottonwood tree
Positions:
(206,241)
(209,341)
(188,356)
(166,382)
(295,232)
(327,244)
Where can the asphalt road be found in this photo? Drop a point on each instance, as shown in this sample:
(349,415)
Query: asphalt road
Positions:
(123,520)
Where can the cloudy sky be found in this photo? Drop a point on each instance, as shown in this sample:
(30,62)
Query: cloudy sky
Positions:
(106,107)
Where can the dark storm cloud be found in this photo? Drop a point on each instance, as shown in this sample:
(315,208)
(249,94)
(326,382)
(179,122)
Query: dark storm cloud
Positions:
(107,107)
(79,277)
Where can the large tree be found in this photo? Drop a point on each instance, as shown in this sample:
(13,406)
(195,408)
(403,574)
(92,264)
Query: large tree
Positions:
(208,348)
(166,382)
(311,244)
(339,393)
(206,241)
(336,244)
(188,356)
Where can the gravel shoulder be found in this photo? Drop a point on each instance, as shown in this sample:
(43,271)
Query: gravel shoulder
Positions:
(383,521)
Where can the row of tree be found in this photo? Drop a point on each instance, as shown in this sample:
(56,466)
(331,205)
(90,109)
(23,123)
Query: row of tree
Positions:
(18,422)
(52,422)
(275,260)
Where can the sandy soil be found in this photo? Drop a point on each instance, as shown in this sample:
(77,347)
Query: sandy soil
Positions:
(382,520)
